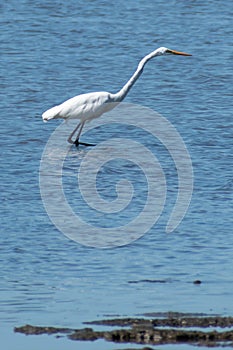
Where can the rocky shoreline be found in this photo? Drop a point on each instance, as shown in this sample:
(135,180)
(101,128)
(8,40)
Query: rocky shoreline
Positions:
(169,328)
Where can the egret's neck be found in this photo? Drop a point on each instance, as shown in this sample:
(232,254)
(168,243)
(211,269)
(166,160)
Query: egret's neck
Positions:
(120,95)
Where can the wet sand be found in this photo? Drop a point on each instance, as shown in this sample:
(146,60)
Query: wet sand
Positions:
(156,329)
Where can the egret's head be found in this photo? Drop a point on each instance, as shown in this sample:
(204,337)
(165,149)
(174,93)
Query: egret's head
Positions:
(165,50)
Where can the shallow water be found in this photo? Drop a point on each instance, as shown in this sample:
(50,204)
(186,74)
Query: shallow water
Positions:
(51,51)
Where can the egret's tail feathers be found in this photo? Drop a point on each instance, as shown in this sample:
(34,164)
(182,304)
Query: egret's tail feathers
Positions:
(51,113)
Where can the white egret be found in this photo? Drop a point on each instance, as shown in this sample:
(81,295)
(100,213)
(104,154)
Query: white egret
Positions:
(92,105)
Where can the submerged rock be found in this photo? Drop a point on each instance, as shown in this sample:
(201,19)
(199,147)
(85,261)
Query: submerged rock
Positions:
(29,329)
(175,330)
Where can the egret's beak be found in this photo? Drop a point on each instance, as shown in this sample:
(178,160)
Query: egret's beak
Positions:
(174,52)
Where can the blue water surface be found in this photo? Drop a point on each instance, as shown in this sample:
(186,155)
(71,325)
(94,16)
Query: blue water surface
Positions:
(53,50)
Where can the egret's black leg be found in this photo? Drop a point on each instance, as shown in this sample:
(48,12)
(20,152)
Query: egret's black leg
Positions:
(72,134)
(76,142)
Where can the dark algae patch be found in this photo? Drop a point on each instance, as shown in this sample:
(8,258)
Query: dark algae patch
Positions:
(174,328)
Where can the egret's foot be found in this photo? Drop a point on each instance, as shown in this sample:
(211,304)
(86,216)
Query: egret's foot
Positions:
(77,143)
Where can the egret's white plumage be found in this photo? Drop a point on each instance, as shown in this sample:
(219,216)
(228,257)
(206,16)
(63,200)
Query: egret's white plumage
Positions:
(92,105)
(84,107)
